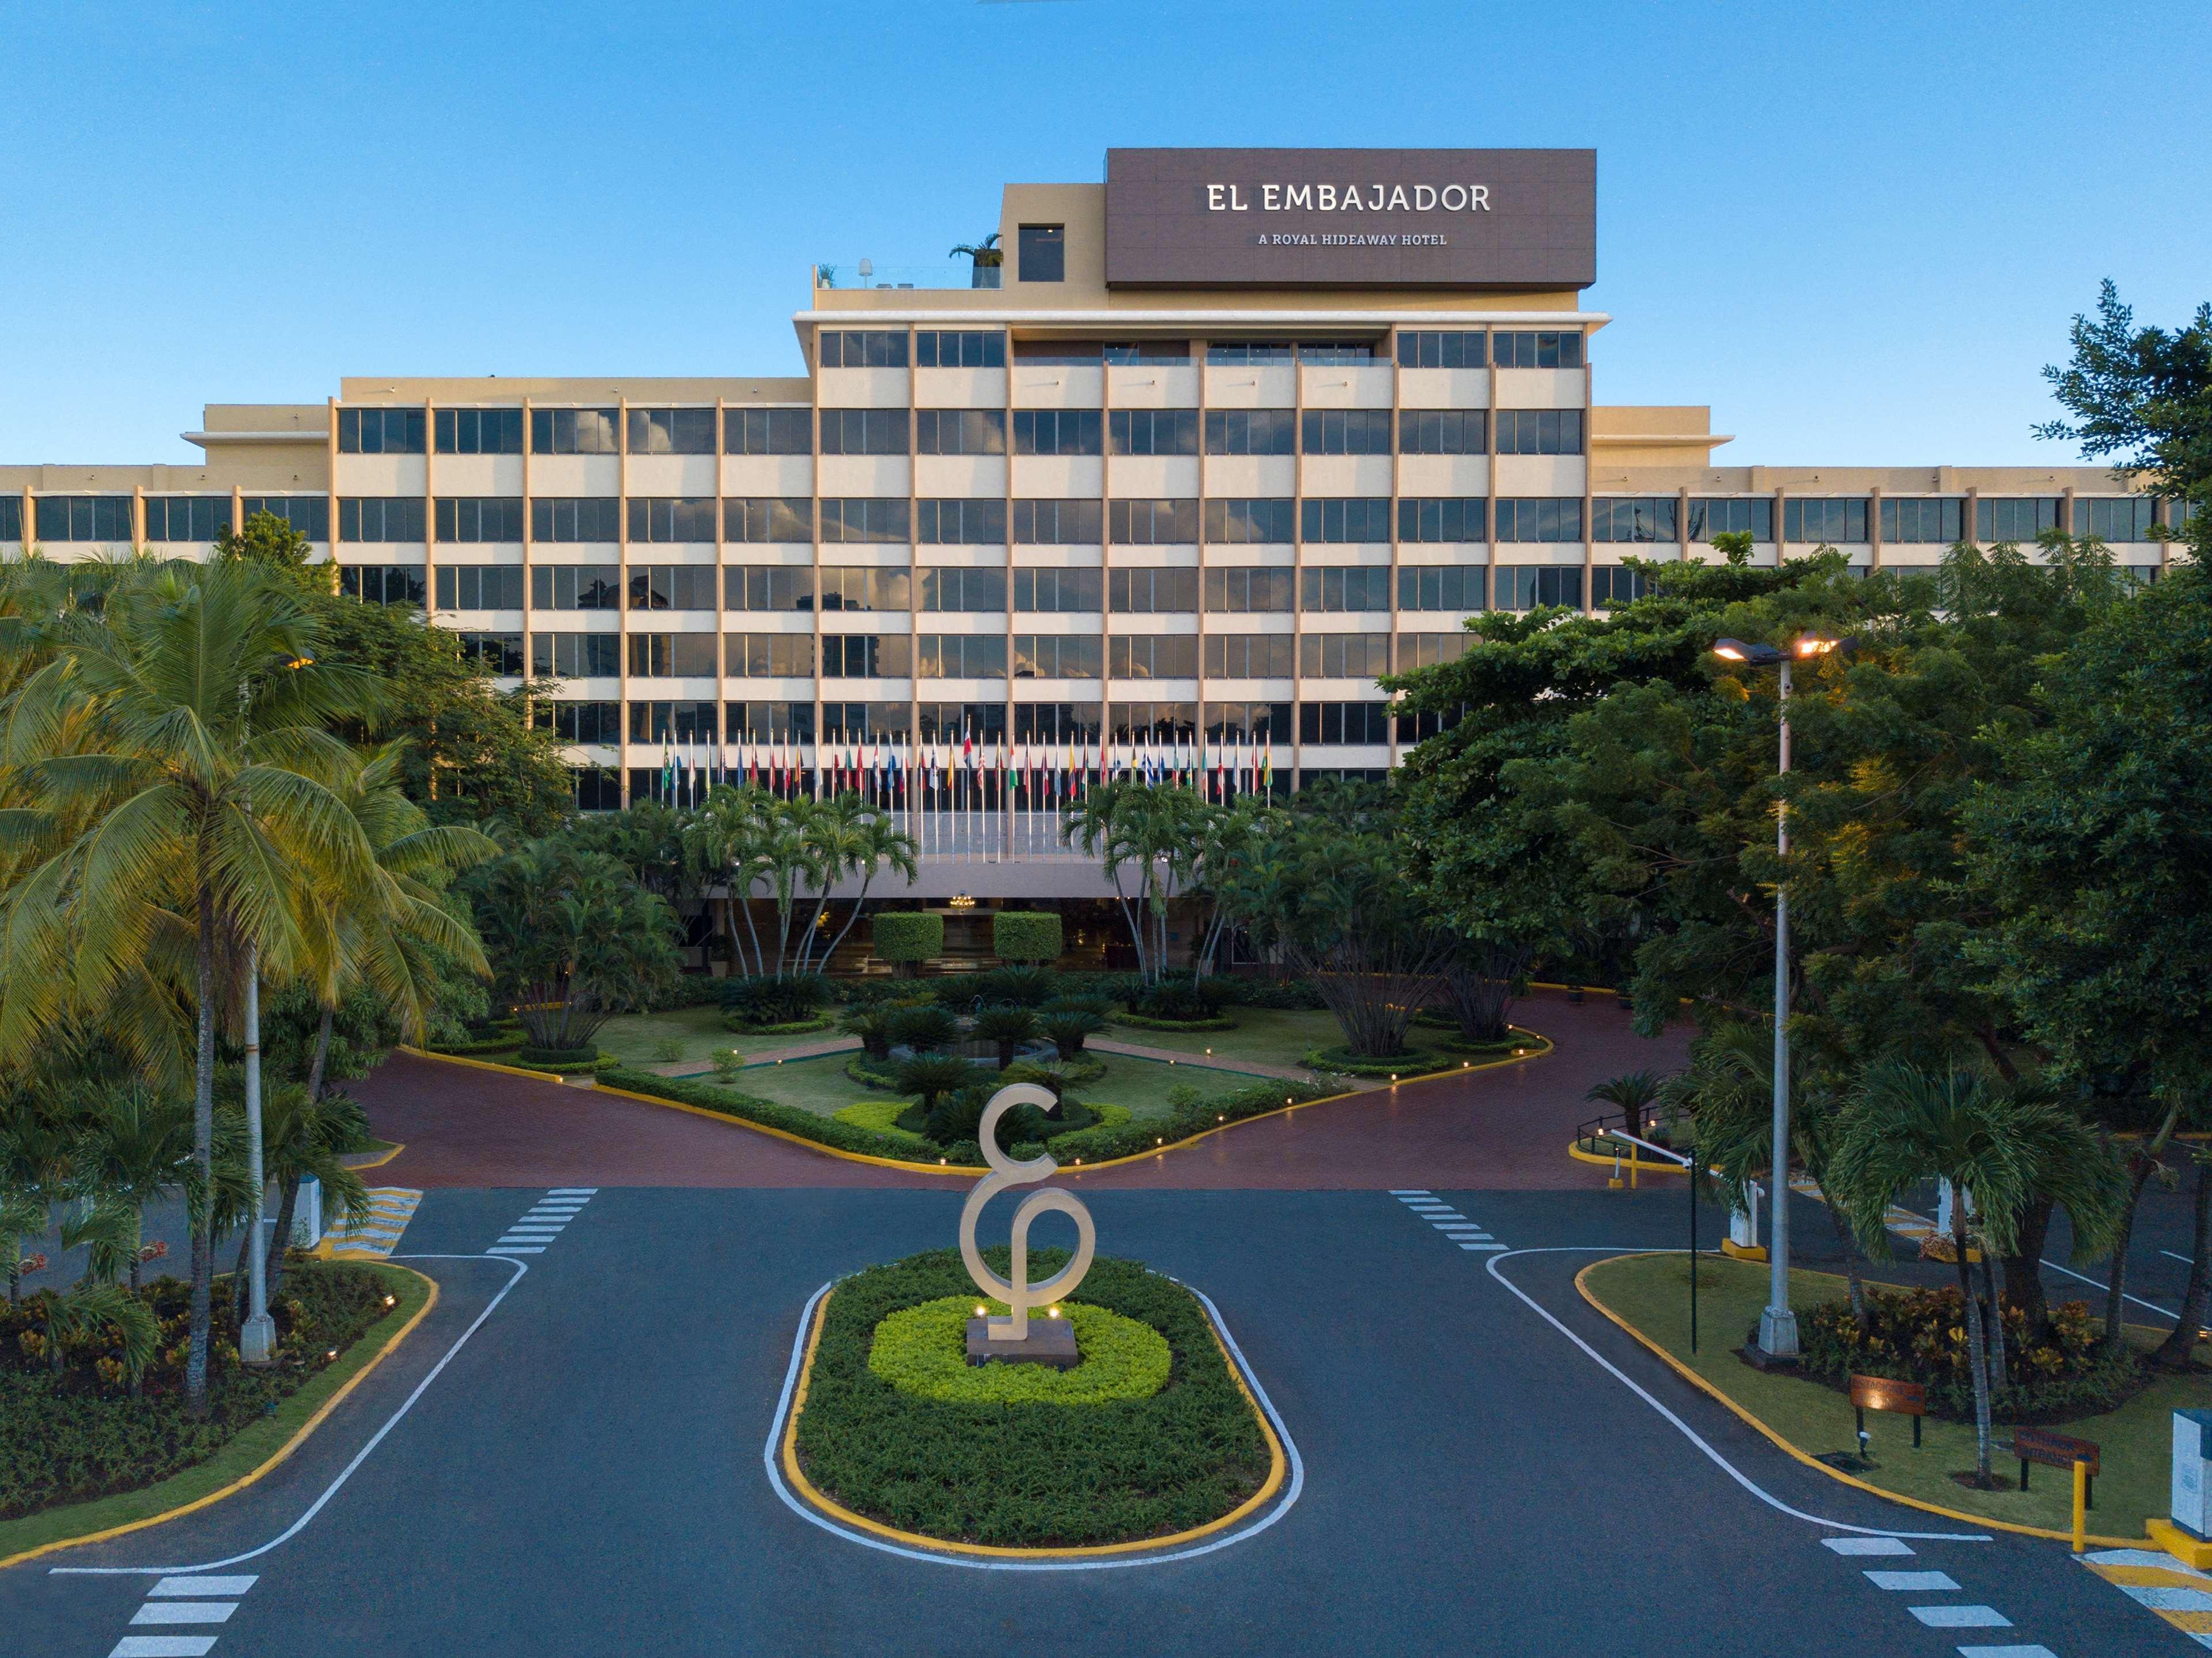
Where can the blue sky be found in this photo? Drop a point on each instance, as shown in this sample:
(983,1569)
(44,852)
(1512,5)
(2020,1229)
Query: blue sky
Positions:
(1855,230)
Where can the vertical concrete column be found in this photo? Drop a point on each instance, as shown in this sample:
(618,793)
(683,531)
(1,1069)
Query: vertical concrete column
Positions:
(1970,516)
(2066,509)
(1397,407)
(1297,572)
(1105,557)
(30,525)
(238,511)
(1197,348)
(1781,512)
(137,515)
(1874,527)
(330,476)
(429,510)
(1589,547)
(529,610)
(721,584)
(622,586)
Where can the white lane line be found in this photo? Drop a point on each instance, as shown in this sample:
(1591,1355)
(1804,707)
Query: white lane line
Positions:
(1865,1546)
(1482,1246)
(2037,1651)
(162,1646)
(1687,1432)
(572,1191)
(186,1612)
(521,1272)
(210,1586)
(1960,1617)
(516,1249)
(1931,1582)
(533,1234)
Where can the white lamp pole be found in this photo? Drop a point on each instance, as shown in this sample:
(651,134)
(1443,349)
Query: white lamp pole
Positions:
(1777,1325)
(257,1337)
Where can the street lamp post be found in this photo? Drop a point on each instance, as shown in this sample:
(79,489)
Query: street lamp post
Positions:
(1778,1324)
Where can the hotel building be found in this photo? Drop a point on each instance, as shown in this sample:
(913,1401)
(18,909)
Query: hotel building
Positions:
(1220,440)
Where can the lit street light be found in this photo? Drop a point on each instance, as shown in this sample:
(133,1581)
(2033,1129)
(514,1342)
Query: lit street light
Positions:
(1777,1325)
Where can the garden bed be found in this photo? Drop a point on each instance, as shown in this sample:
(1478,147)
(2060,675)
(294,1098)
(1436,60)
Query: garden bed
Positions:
(522,1060)
(745,1027)
(1111,1452)
(1413,1062)
(78,1454)
(1144,1022)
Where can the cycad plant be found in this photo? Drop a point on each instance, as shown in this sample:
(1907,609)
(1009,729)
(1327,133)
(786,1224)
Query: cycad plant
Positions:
(1634,1092)
(1007,1026)
(930,1077)
(1066,1028)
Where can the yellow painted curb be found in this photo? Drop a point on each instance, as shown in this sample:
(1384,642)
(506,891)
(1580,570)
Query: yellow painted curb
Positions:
(1631,1161)
(2192,1552)
(277,1456)
(1806,1457)
(1277,1465)
(380,1160)
(912,1168)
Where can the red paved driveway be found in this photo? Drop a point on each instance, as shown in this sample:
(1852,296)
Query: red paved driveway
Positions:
(1490,1130)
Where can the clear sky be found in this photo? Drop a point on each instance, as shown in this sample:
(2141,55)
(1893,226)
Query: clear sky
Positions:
(1857,231)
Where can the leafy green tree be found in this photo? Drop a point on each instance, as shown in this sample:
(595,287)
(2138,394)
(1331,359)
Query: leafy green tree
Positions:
(271,543)
(1149,831)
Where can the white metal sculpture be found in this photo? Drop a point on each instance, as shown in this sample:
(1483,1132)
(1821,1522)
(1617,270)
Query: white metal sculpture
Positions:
(1020,1295)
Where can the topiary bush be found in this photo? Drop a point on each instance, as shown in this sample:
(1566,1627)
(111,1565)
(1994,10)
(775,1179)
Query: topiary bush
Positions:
(554,1059)
(776,998)
(1019,935)
(1413,1062)
(907,938)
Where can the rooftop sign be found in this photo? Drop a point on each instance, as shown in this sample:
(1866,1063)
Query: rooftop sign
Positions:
(1351,218)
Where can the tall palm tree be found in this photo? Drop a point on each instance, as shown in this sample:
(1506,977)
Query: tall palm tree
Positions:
(865,841)
(725,840)
(188,827)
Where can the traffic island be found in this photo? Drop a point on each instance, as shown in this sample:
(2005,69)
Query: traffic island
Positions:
(1150,1440)
(1648,1295)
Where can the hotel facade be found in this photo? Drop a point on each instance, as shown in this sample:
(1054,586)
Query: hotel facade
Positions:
(1213,445)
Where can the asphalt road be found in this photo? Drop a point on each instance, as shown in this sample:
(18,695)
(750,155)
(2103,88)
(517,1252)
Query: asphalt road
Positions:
(583,1474)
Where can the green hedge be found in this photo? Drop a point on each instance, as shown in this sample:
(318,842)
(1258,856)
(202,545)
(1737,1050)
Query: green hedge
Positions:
(795,1027)
(923,1350)
(1414,1062)
(903,935)
(471,1050)
(1139,1021)
(1141,1134)
(564,1061)
(746,1107)
(1028,1474)
(1025,935)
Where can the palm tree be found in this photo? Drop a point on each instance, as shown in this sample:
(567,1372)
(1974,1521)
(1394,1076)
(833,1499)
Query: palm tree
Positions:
(303,1138)
(1635,1092)
(1157,829)
(864,840)
(36,1169)
(725,839)
(90,1310)
(1996,1143)
(184,828)
(137,1143)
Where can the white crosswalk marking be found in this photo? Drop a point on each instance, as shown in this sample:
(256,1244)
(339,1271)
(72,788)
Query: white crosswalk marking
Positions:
(545,1221)
(1960,1617)
(186,1612)
(1929,1582)
(1469,1235)
(183,1601)
(162,1646)
(373,1232)
(1866,1545)
(176,1585)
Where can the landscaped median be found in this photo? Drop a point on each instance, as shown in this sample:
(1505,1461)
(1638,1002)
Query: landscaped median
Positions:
(1150,1440)
(82,1457)
(1649,1297)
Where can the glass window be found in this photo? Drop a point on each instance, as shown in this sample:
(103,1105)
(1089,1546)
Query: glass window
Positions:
(773,656)
(1143,351)
(309,514)
(1058,523)
(769,587)
(1151,591)
(178,517)
(2014,519)
(672,722)
(11,517)
(671,518)
(1153,656)
(382,584)
(1247,591)
(1910,519)
(479,431)
(866,656)
(769,518)
(1231,523)
(866,519)
(1826,521)
(1250,656)
(380,431)
(1442,518)
(1427,349)
(866,588)
(954,589)
(2129,517)
(1056,722)
(864,432)
(671,431)
(1611,583)
(576,722)
(965,521)
(1345,519)
(960,656)
(577,656)
(963,349)
(858,722)
(1151,723)
(599,788)
(1346,432)
(480,587)
(1153,522)
(1441,432)
(1244,723)
(381,518)
(575,587)
(875,348)
(1539,518)
(1246,353)
(1634,518)
(1060,591)
(1325,352)
(500,653)
(1540,431)
(1430,651)
(1344,722)
(1712,515)
(766,431)
(1344,656)
(952,722)
(1339,588)
(663,656)
(1057,656)
(960,431)
(1249,431)
(1153,431)
(1056,431)
(472,519)
(94,517)
(1524,586)
(1537,350)
(1042,253)
(573,432)
(672,587)
(572,519)
(1461,587)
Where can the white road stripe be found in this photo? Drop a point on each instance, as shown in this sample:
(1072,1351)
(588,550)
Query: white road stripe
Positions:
(1409,1193)
(162,1646)
(516,1249)
(1865,1546)
(186,1612)
(1933,1583)
(1960,1617)
(1482,1246)
(169,1586)
(2036,1651)
(571,1191)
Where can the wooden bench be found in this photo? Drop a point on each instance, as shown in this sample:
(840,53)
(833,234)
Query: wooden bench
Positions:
(1881,1393)
(2055,1450)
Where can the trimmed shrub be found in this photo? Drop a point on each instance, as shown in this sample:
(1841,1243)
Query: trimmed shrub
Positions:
(506,1044)
(1021,935)
(1140,1022)
(908,937)
(1140,1134)
(795,1027)
(776,998)
(923,1350)
(554,1059)
(1413,1062)
(881,1117)
(793,1119)
(1288,995)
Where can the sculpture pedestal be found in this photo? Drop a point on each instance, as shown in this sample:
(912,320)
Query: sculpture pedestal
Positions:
(1051,1341)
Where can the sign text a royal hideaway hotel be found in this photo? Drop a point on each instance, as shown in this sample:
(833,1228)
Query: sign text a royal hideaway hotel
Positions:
(1352,218)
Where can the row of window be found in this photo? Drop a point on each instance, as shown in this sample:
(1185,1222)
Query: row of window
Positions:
(1179,431)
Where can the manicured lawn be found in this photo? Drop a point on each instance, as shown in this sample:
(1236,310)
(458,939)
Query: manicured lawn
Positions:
(1652,1293)
(1272,1035)
(633,1036)
(821,1086)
